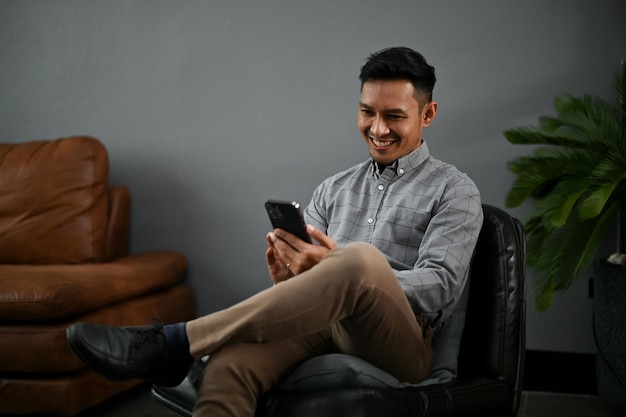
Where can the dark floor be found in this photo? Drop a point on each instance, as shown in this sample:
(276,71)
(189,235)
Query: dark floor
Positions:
(534,404)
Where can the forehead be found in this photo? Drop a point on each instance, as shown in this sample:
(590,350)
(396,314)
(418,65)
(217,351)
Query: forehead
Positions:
(388,94)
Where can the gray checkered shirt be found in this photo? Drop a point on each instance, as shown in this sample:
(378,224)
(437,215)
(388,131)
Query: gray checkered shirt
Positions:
(424,215)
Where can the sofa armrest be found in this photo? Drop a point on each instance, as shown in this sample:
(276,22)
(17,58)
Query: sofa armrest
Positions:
(118,229)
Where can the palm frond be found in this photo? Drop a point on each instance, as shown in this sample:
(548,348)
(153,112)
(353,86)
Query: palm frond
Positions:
(536,234)
(543,293)
(534,136)
(567,251)
(548,171)
(588,118)
(559,204)
(576,180)
(605,182)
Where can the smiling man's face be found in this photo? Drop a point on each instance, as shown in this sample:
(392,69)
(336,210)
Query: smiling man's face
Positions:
(391,119)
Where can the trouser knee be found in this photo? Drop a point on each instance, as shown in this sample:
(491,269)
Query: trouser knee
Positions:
(361,260)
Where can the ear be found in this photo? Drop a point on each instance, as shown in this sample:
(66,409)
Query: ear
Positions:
(429,112)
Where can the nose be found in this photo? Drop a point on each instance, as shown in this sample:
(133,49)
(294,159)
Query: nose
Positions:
(379,127)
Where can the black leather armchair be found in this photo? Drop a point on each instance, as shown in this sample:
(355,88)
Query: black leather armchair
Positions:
(487,382)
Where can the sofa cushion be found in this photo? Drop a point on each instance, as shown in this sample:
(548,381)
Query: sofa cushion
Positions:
(38,293)
(42,347)
(53,201)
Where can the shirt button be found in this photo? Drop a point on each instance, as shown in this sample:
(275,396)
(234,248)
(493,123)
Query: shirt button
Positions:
(381,187)
(401,171)
(370,220)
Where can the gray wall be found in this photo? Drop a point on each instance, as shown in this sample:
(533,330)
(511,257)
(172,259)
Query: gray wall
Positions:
(210,107)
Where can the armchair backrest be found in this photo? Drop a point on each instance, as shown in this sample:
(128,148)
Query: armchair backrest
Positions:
(54,199)
(494,336)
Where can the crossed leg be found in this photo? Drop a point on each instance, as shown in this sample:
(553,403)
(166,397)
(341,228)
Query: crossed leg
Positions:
(350,302)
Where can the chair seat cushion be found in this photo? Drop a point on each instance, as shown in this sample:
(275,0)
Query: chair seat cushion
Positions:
(337,370)
(44,293)
(478,397)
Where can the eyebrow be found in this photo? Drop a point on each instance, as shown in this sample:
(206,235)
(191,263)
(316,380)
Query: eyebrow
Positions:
(396,110)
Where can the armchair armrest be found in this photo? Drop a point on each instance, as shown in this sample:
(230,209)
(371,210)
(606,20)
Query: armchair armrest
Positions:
(117,242)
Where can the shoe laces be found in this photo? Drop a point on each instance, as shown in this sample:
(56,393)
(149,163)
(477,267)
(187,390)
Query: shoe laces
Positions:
(149,335)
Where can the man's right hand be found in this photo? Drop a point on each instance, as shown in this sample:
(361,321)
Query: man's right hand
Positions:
(278,269)
(288,255)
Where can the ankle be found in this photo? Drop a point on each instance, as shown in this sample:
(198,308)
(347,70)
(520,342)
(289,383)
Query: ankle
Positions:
(176,340)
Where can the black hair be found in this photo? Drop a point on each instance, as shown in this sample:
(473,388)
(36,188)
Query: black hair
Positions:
(400,63)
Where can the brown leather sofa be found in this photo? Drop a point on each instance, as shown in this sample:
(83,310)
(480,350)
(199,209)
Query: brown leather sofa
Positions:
(64,257)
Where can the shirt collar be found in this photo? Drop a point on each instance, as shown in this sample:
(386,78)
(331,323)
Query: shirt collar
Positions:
(407,163)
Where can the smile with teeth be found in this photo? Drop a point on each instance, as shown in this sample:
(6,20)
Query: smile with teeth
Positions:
(381,143)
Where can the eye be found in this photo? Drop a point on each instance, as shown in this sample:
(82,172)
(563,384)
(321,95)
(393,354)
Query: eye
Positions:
(367,112)
(395,117)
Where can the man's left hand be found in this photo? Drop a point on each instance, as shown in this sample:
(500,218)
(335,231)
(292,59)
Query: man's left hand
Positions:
(298,254)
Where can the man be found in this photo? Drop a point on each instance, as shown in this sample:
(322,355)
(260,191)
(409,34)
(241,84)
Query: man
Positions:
(394,239)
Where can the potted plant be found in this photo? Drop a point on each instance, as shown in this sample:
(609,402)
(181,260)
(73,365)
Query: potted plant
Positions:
(576,182)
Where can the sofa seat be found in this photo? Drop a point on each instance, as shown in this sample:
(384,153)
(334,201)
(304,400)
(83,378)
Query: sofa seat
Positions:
(31,293)
(35,310)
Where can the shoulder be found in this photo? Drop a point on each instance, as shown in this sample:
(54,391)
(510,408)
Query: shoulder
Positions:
(346,177)
(448,174)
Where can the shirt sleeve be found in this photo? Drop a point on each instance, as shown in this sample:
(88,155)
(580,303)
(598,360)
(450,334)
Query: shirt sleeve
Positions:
(435,283)
(314,212)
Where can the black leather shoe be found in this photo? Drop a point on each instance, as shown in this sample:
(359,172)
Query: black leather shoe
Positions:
(128,352)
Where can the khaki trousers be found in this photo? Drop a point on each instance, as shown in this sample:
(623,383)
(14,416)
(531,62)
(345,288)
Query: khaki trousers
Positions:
(350,302)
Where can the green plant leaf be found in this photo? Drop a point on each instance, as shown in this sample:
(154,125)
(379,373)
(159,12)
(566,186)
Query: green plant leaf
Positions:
(589,118)
(565,252)
(542,297)
(594,203)
(533,136)
(563,198)
(576,182)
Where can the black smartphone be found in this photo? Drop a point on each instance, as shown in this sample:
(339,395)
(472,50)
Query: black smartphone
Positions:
(287,215)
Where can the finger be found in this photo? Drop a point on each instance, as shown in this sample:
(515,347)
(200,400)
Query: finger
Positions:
(292,240)
(270,253)
(283,250)
(270,256)
(320,237)
(279,245)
